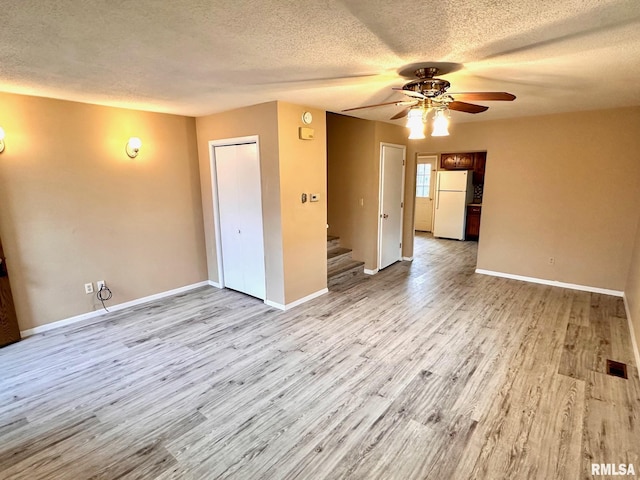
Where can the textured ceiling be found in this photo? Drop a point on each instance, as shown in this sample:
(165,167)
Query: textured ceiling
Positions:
(196,57)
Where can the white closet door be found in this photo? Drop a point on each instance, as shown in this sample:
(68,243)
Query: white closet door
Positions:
(240,210)
(250,212)
(391,185)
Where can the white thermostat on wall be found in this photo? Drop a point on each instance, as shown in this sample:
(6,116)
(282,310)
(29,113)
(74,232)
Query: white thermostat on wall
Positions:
(307,118)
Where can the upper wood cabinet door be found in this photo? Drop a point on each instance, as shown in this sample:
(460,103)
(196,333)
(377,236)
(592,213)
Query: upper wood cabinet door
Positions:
(465,161)
(456,161)
(448,161)
(479,163)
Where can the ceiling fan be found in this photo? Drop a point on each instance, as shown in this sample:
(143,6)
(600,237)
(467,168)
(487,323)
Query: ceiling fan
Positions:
(428,92)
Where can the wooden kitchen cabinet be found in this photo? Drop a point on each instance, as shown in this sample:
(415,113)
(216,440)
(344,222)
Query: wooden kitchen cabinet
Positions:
(473,222)
(479,164)
(457,161)
(475,161)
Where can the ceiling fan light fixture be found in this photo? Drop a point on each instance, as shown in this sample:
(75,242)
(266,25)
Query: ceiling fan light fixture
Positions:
(415,124)
(440,124)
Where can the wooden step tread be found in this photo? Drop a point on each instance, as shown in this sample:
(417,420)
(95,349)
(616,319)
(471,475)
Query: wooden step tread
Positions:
(332,241)
(337,251)
(342,267)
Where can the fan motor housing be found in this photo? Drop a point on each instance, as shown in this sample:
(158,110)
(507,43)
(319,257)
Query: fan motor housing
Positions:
(429,87)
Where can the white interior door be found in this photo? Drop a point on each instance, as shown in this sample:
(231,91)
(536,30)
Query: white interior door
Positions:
(425,186)
(391,204)
(240,217)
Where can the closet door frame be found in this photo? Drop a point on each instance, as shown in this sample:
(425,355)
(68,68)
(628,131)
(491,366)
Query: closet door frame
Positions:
(214,194)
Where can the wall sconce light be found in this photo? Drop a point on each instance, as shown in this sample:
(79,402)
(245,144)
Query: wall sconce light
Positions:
(1,140)
(133,147)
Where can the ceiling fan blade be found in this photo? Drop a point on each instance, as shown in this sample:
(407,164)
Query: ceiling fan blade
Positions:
(368,106)
(479,96)
(467,107)
(410,93)
(380,105)
(401,114)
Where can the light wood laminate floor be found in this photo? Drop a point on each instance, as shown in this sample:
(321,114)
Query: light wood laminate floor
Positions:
(423,371)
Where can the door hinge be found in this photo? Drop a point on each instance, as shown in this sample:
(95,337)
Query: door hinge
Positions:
(403,162)
(401,204)
(400,244)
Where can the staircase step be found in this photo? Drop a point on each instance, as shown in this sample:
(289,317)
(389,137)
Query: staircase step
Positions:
(337,251)
(332,241)
(341,265)
(348,279)
(344,256)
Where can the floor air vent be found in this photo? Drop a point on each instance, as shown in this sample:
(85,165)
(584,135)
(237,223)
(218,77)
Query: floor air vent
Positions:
(616,369)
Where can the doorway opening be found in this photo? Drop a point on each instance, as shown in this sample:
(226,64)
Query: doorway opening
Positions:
(425,182)
(448,199)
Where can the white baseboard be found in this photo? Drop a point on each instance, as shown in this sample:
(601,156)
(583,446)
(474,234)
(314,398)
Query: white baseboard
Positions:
(553,283)
(634,343)
(112,308)
(370,272)
(300,301)
(407,259)
(214,284)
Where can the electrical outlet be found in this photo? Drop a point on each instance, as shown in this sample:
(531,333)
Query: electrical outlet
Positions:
(88,288)
(100,284)
(552,261)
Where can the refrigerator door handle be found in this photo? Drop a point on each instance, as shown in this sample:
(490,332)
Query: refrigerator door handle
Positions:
(437,199)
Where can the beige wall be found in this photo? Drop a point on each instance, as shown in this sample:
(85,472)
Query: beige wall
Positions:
(289,166)
(632,289)
(75,209)
(303,169)
(565,186)
(353,181)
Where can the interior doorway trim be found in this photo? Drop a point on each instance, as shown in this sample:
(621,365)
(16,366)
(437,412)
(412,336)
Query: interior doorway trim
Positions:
(380,198)
(424,158)
(225,142)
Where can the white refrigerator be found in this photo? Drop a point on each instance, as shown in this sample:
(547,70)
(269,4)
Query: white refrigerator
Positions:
(454,191)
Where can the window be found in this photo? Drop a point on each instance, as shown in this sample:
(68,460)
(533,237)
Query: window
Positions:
(423,180)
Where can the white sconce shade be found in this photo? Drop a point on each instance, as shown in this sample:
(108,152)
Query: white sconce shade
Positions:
(133,147)
(1,140)
(415,124)
(440,125)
